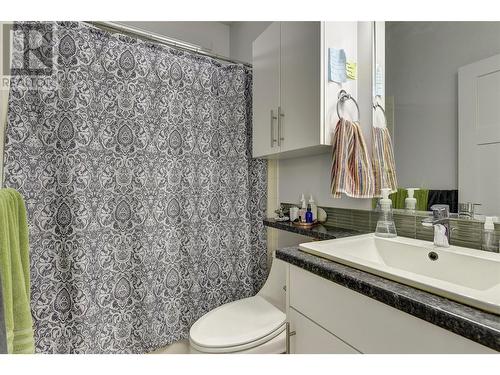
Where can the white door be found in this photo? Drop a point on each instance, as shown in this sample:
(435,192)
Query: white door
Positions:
(479,134)
(300,85)
(266,91)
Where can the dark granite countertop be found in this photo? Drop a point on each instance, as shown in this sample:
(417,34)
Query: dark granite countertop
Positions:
(317,231)
(474,324)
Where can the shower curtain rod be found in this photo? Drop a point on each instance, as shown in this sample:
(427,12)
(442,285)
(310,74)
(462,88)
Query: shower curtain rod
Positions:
(117,27)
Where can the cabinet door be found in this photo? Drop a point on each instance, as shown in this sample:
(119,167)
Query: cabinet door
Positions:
(300,85)
(266,94)
(310,338)
(370,326)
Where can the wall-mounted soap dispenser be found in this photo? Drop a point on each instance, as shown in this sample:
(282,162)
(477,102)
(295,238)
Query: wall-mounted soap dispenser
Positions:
(411,202)
(385,224)
(490,240)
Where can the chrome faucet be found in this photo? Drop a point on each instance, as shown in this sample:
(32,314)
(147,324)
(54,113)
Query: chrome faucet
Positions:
(466,210)
(440,220)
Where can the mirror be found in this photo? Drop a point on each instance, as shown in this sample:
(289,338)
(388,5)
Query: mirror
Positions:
(439,83)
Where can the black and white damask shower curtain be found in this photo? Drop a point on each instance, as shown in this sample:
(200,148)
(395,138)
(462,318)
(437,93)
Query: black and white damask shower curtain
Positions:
(144,205)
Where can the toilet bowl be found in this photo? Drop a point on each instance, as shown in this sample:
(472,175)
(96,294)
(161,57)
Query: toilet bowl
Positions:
(250,325)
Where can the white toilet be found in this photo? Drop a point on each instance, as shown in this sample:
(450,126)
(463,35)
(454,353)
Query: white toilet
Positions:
(250,325)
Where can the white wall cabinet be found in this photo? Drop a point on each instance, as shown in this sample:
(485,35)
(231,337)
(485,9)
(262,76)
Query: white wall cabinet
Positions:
(294,104)
(329,318)
(287,80)
(300,81)
(266,91)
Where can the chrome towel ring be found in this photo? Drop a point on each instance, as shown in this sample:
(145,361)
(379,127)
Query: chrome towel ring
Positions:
(378,106)
(342,98)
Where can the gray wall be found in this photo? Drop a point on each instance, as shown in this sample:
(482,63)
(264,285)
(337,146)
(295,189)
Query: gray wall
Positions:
(242,35)
(311,175)
(422,59)
(233,39)
(213,36)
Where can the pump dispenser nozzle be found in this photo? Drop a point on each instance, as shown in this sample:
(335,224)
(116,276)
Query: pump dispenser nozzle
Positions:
(490,240)
(385,202)
(385,224)
(411,202)
(303,200)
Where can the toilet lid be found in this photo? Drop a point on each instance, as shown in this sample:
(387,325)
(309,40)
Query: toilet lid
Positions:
(237,323)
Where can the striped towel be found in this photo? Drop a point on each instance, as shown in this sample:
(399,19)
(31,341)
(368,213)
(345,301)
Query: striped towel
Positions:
(351,172)
(384,167)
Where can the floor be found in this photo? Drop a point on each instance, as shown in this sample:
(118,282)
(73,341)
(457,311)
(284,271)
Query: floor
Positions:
(179,347)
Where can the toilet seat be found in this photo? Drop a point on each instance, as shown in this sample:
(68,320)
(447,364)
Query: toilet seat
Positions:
(276,345)
(239,326)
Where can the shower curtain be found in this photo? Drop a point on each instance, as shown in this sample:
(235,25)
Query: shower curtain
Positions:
(145,207)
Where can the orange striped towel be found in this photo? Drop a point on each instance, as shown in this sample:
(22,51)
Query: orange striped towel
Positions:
(351,172)
(384,166)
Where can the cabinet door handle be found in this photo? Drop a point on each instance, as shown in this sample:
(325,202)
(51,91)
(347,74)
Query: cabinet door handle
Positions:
(280,130)
(273,117)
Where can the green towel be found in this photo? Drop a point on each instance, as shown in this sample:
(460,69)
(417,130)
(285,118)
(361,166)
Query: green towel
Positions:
(398,199)
(15,272)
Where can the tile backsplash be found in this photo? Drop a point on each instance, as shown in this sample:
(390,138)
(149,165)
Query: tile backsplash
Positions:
(466,233)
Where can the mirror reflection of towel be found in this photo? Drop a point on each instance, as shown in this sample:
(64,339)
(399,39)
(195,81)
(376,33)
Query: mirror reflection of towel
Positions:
(398,199)
(384,166)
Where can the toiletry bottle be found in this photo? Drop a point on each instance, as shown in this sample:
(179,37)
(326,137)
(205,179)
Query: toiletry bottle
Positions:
(314,208)
(490,240)
(302,211)
(309,214)
(411,202)
(385,224)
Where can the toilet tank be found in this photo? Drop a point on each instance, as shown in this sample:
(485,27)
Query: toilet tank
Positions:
(274,290)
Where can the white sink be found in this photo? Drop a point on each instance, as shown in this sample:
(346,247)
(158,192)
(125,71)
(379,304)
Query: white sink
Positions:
(465,275)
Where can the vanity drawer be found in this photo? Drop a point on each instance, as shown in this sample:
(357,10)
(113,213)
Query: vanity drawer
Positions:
(310,338)
(369,325)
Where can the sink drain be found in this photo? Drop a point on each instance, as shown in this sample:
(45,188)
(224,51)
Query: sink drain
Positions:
(433,255)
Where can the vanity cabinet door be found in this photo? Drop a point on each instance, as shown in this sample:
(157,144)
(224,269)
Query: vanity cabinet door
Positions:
(266,91)
(310,338)
(368,325)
